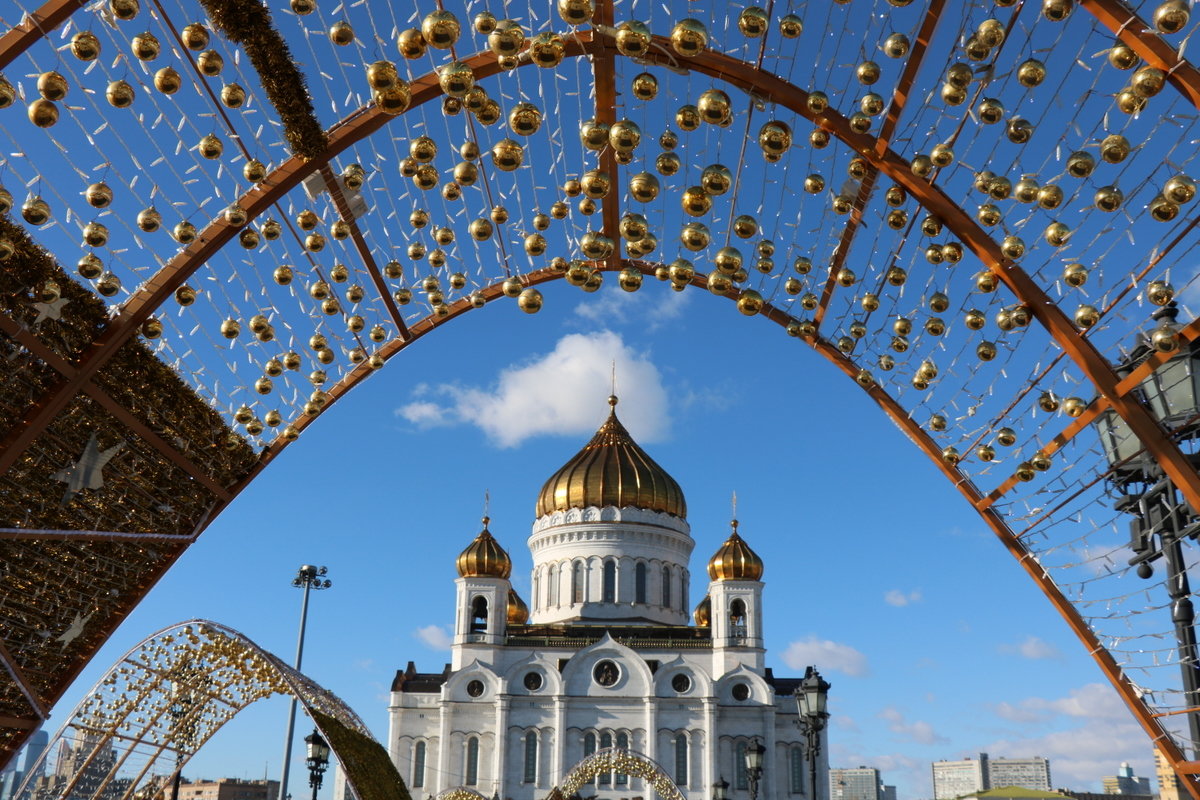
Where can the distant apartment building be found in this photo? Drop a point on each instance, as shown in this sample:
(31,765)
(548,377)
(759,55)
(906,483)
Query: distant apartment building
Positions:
(953,779)
(1125,782)
(1169,785)
(856,783)
(1028,773)
(228,789)
(888,793)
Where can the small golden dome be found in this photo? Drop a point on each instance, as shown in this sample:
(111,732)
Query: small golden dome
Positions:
(735,561)
(612,470)
(518,612)
(484,557)
(703,613)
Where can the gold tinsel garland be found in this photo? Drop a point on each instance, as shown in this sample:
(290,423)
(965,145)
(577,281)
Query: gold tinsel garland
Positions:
(248,23)
(368,769)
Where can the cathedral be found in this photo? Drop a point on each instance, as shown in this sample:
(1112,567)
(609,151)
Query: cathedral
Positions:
(606,657)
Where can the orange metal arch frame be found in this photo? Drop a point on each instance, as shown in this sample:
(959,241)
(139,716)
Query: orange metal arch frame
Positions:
(749,78)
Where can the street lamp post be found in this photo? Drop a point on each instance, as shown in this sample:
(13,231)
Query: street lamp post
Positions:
(317,760)
(720,789)
(754,766)
(1161,520)
(179,708)
(308,577)
(811,699)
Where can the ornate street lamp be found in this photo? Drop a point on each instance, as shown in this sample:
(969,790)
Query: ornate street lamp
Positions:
(811,700)
(180,707)
(316,759)
(307,577)
(720,789)
(1161,520)
(754,766)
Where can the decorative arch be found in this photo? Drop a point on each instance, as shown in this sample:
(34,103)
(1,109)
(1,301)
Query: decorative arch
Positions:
(623,762)
(171,693)
(80,374)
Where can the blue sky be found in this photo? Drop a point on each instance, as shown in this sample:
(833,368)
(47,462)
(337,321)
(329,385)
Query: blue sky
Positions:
(878,573)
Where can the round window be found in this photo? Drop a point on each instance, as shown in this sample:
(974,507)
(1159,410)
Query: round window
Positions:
(533,681)
(475,688)
(681,683)
(740,691)
(606,673)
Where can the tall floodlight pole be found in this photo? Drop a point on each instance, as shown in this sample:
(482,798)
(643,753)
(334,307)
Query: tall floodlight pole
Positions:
(308,577)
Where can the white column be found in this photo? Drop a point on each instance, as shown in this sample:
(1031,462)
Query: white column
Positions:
(560,740)
(711,746)
(443,749)
(768,787)
(500,761)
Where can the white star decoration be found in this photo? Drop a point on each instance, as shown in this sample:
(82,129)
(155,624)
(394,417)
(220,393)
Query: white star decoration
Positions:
(73,630)
(86,473)
(50,310)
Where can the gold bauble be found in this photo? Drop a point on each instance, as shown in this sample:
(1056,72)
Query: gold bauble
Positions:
(530,300)
(1148,81)
(52,85)
(775,137)
(633,227)
(1031,73)
(210,63)
(1163,210)
(894,196)
(535,244)
(43,113)
(1086,316)
(595,184)
(1050,196)
(728,260)
(790,26)
(124,9)
(624,136)
(546,49)
(990,111)
(999,187)
(689,37)
(440,29)
(411,44)
(1075,275)
(1165,338)
(694,236)
(499,215)
(986,281)
(1056,234)
(402,296)
(1080,164)
(1160,293)
(814,184)
(576,12)
(89,267)
(484,22)
(596,245)
(667,164)
(867,72)
(860,123)
(185,295)
(36,211)
(846,277)
(745,226)
(145,46)
(314,242)
(465,173)
(524,119)
(1013,246)
(942,155)
(85,46)
(167,80)
(629,279)
(230,329)
(933,254)
(633,38)
(719,284)
(695,201)
(119,94)
(953,95)
(233,95)
(108,285)
(1129,102)
(750,302)
(95,234)
(714,106)
(644,86)
(817,102)
(210,146)
(1172,16)
(687,117)
(921,166)
(1122,56)
(1179,189)
(507,155)
(1048,402)
(1057,10)
(952,252)
(1108,198)
(303,8)
(1025,190)
(842,204)
(507,39)
(896,45)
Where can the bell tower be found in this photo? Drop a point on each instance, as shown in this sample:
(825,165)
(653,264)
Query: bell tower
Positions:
(735,604)
(483,592)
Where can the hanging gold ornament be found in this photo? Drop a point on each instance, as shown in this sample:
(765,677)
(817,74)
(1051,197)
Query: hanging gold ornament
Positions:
(507,38)
(410,44)
(1108,198)
(145,46)
(714,106)
(942,155)
(644,86)
(507,155)
(1148,81)
(52,85)
(1122,56)
(1160,293)
(36,211)
(43,113)
(1086,316)
(1179,189)
(744,226)
(596,245)
(119,94)
(440,29)
(210,63)
(624,136)
(775,137)
(1050,196)
(1163,209)
(689,37)
(85,46)
(1019,130)
(1129,102)
(546,49)
(524,119)
(1031,73)
(867,72)
(499,215)
(817,102)
(595,184)
(484,22)
(124,10)
(90,267)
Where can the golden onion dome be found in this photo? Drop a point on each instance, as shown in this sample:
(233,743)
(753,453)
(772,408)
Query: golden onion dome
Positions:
(703,612)
(735,561)
(484,557)
(518,612)
(612,470)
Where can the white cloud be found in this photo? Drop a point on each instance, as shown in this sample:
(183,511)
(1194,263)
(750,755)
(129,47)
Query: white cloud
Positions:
(920,731)
(899,599)
(1032,648)
(826,655)
(562,392)
(614,306)
(435,636)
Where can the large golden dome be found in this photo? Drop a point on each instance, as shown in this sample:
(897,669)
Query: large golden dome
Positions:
(735,561)
(612,470)
(518,612)
(484,557)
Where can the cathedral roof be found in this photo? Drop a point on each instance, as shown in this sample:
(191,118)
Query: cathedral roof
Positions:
(703,612)
(612,470)
(484,557)
(735,561)
(518,612)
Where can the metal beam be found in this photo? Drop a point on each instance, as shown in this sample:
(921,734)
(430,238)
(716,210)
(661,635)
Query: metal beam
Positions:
(36,25)
(1133,31)
(14,671)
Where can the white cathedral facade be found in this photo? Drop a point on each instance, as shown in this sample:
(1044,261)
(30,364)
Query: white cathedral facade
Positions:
(607,657)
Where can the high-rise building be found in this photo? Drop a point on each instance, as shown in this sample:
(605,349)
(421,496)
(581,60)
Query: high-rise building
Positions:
(1028,773)
(888,793)
(1169,785)
(607,658)
(952,779)
(855,783)
(1125,782)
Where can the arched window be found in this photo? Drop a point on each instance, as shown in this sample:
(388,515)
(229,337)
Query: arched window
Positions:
(622,743)
(472,762)
(479,615)
(740,779)
(577,582)
(666,587)
(605,743)
(796,770)
(737,618)
(418,765)
(610,582)
(555,574)
(639,583)
(589,747)
(681,759)
(531,742)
